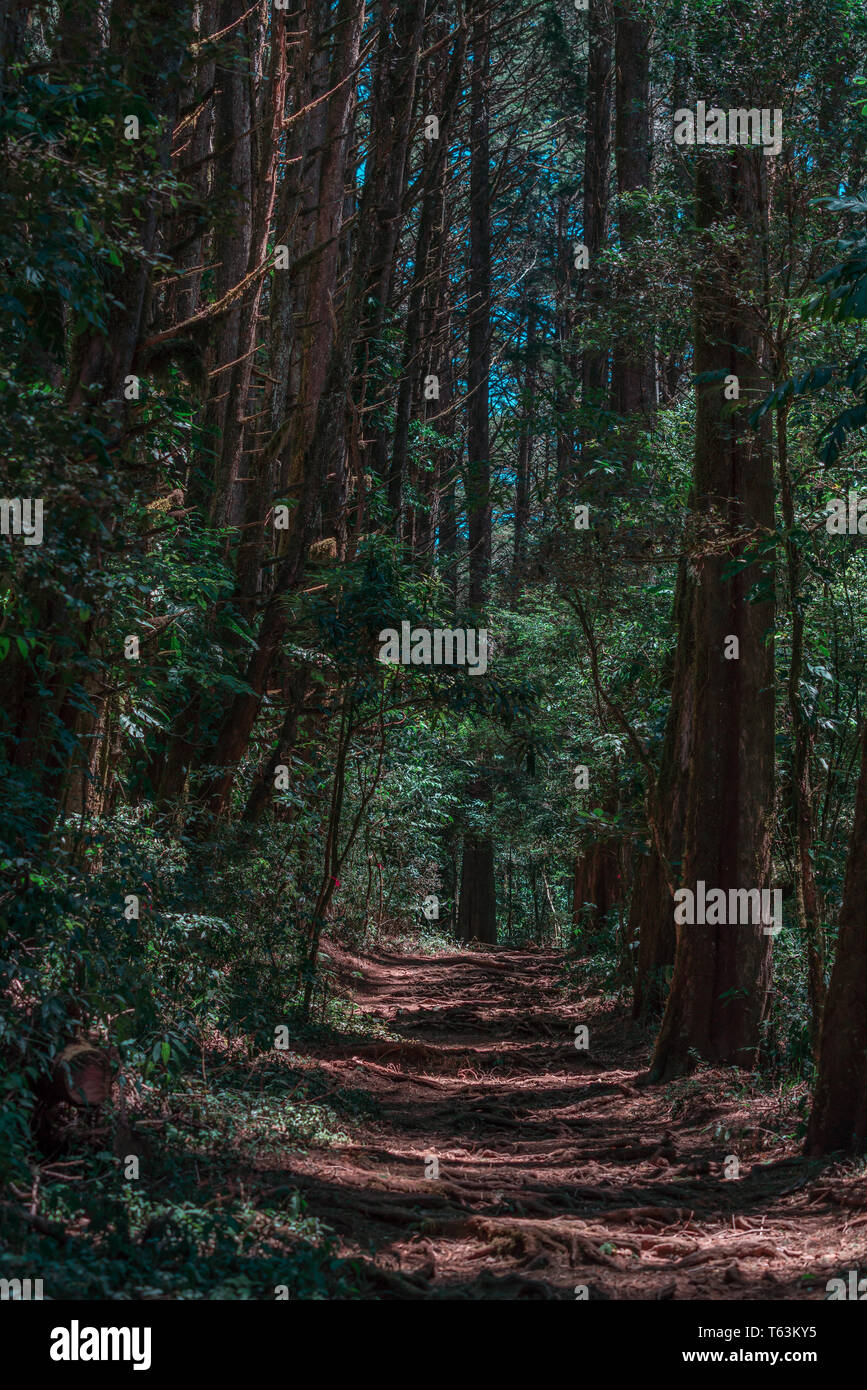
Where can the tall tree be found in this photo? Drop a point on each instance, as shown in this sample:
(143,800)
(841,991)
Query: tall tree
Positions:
(596,219)
(838,1119)
(478,900)
(633,376)
(719,988)
(318,448)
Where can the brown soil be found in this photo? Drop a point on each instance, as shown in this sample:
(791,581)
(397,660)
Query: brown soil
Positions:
(561,1168)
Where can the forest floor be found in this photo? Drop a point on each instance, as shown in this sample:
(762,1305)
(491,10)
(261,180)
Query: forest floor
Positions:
(557,1167)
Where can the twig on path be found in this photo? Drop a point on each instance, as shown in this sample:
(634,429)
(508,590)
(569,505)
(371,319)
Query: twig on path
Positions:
(398,1075)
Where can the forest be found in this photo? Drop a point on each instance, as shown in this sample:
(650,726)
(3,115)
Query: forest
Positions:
(433,728)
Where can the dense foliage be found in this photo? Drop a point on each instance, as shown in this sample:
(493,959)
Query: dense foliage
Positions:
(245,468)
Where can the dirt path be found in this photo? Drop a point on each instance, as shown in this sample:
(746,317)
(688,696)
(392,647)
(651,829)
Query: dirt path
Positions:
(557,1167)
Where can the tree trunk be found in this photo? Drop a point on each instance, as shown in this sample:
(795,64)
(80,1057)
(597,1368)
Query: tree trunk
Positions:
(838,1120)
(477,910)
(442,96)
(721,979)
(525,450)
(320,447)
(801,812)
(633,376)
(651,919)
(393,105)
(597,879)
(477,916)
(597,184)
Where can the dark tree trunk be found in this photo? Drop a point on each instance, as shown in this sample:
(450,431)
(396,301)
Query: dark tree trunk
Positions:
(394,90)
(314,213)
(633,375)
(478,469)
(322,445)
(597,879)
(802,818)
(597,184)
(477,915)
(449,466)
(262,791)
(233,175)
(721,978)
(651,919)
(442,93)
(838,1120)
(525,450)
(477,909)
